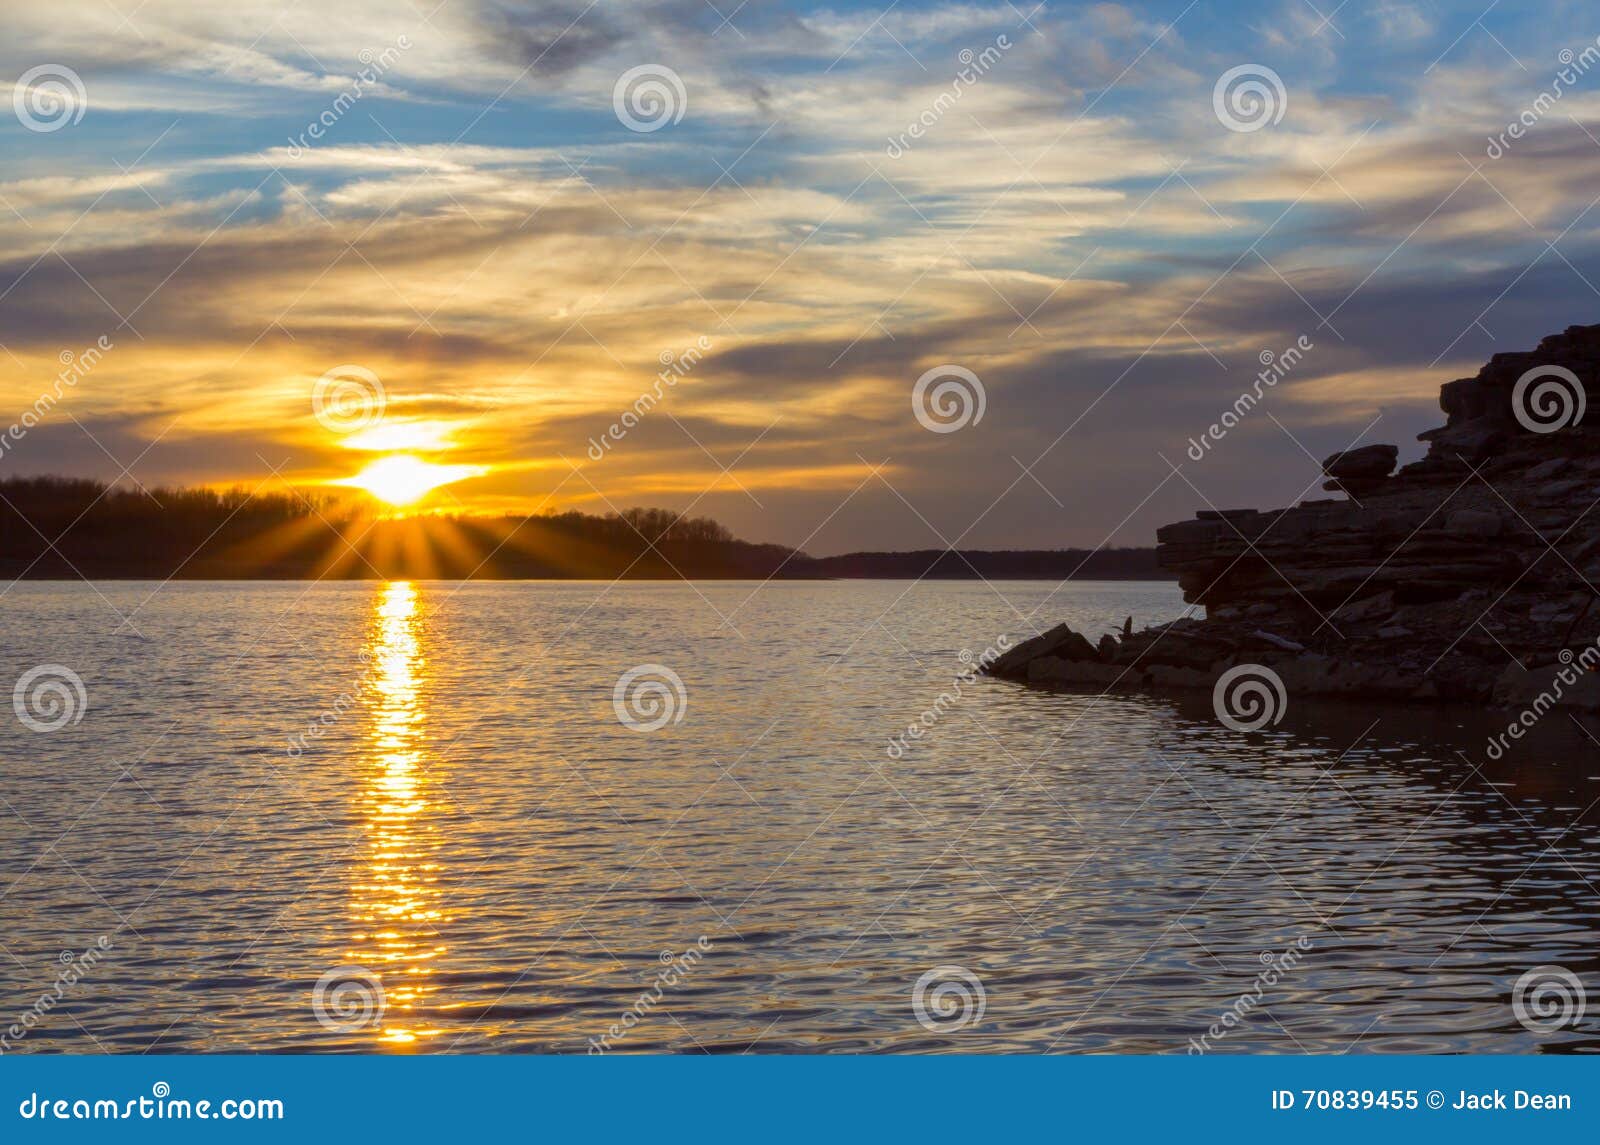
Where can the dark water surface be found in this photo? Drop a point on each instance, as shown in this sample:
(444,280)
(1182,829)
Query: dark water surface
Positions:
(472,842)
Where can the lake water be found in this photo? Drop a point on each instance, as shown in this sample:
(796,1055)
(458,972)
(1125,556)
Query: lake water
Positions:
(415,817)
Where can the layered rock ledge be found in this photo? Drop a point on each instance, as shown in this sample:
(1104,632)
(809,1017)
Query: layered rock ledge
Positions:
(1467,576)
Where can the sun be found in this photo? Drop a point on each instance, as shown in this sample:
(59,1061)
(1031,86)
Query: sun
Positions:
(401,479)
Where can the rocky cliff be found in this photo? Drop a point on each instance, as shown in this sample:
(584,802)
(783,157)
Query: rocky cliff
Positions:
(1466,576)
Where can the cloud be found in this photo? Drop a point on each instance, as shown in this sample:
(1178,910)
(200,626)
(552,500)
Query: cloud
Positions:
(1075,226)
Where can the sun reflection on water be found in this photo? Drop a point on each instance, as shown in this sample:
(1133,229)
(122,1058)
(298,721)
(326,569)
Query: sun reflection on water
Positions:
(396,902)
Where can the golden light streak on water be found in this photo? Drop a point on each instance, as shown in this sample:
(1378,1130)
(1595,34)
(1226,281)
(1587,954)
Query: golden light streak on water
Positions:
(397,906)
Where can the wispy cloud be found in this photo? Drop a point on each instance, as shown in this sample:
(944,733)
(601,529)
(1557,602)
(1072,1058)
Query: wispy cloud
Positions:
(1076,226)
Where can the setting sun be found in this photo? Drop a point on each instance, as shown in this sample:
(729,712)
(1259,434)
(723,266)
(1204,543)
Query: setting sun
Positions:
(401,479)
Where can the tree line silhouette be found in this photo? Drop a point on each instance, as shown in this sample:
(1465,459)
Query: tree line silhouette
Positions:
(53,527)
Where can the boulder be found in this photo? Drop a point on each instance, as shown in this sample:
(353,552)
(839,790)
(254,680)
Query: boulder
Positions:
(1060,641)
(1082,673)
(1368,462)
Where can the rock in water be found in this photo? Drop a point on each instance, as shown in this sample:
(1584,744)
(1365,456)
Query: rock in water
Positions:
(1061,641)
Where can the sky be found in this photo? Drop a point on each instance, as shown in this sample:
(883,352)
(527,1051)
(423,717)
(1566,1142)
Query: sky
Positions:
(860,276)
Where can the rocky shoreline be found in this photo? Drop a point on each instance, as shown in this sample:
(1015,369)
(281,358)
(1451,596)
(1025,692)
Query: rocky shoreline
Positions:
(1467,577)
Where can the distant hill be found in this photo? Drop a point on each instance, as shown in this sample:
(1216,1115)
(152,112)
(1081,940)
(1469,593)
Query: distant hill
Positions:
(60,527)
(1018,564)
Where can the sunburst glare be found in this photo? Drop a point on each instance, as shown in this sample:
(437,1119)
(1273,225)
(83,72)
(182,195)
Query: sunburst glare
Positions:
(401,479)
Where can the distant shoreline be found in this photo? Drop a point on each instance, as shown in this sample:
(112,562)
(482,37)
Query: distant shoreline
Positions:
(15,574)
(1006,564)
(63,528)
